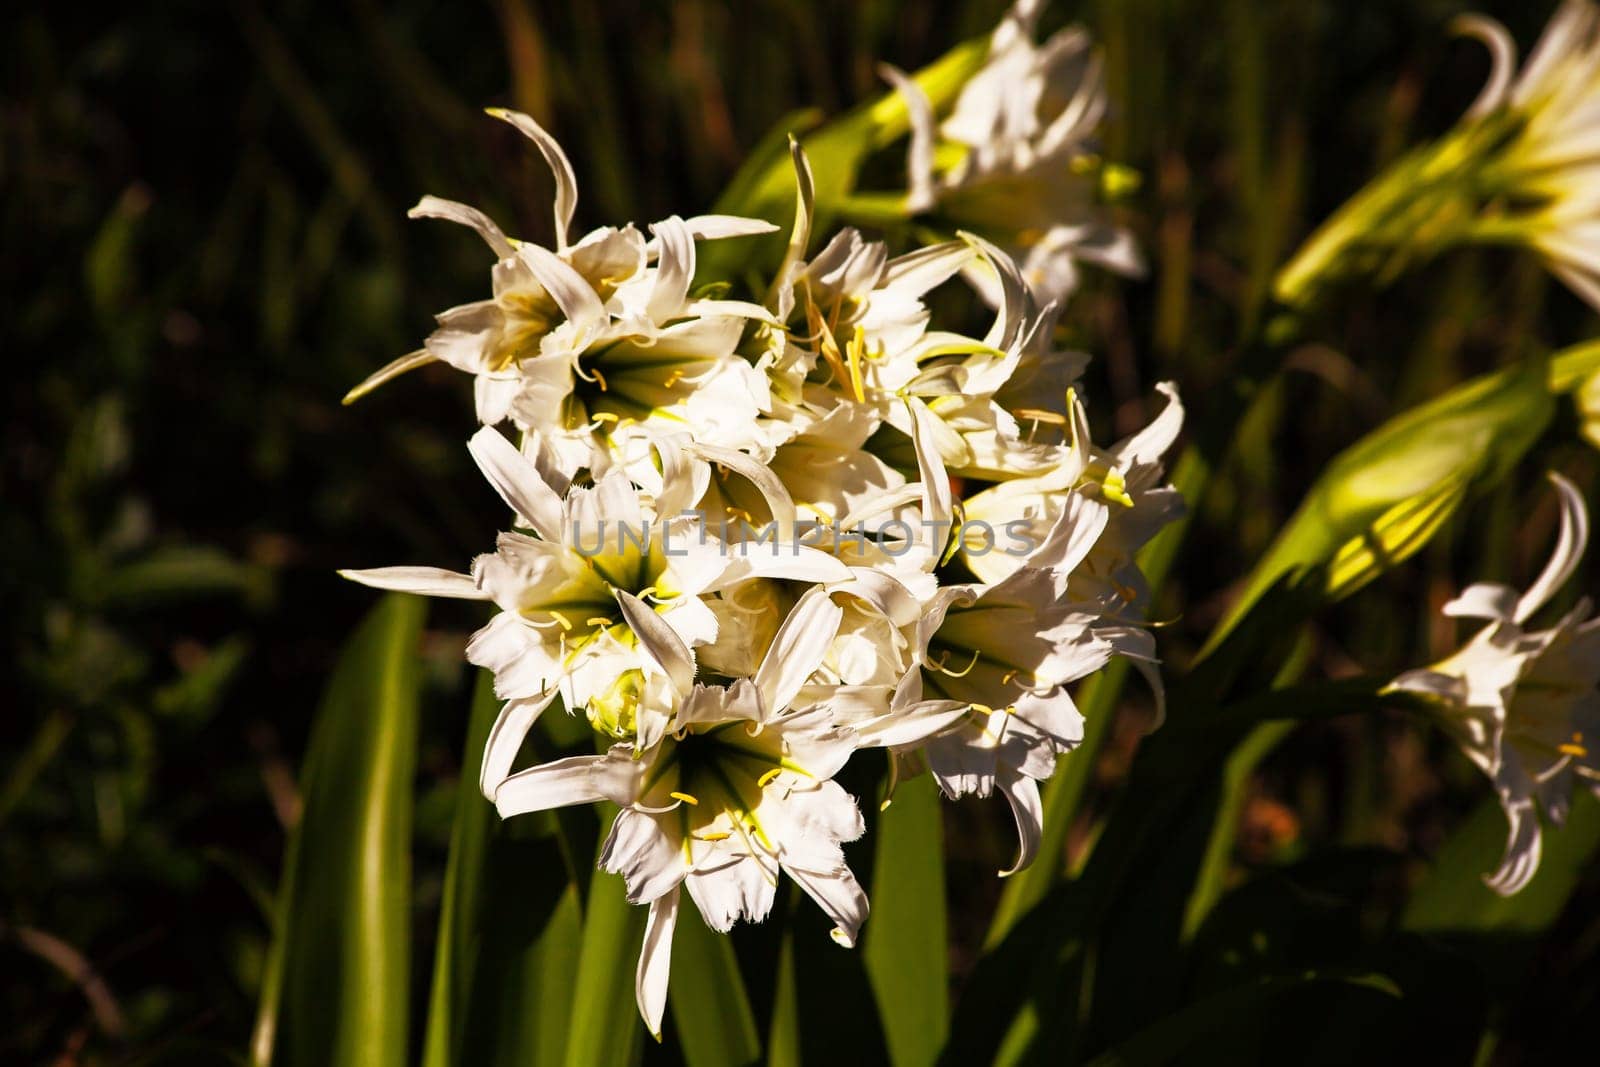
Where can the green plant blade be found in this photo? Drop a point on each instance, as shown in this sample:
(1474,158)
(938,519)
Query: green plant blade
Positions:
(509,927)
(337,982)
(905,941)
(714,1024)
(604,1026)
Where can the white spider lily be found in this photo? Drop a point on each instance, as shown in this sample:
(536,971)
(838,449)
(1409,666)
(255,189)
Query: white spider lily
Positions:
(595,332)
(1018,159)
(1523,704)
(574,597)
(739,789)
(1521,168)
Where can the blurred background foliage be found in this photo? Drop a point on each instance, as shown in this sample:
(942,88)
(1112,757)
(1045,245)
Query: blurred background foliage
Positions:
(205,246)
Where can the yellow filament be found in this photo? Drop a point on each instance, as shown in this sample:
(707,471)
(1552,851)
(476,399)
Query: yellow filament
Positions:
(857,346)
(939,665)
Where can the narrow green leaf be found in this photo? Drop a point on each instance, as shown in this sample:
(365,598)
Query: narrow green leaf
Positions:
(715,1026)
(336,987)
(605,1025)
(905,941)
(783,1036)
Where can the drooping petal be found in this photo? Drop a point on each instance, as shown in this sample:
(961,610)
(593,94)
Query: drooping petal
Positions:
(510,729)
(731,892)
(840,896)
(1524,842)
(517,481)
(433,207)
(938,500)
(650,861)
(425,581)
(1483,600)
(655,961)
(1026,808)
(566,202)
(781,297)
(718,227)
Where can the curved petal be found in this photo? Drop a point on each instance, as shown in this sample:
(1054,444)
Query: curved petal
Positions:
(566,202)
(797,649)
(839,895)
(779,502)
(558,784)
(433,207)
(408,362)
(1026,808)
(919,156)
(1523,846)
(1012,319)
(510,729)
(655,961)
(718,227)
(1483,600)
(426,581)
(660,641)
(1570,543)
(938,500)
(1502,60)
(780,298)
(674,269)
(570,290)
(518,482)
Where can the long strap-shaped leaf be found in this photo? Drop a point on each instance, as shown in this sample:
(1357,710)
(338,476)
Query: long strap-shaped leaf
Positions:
(336,988)
(509,927)
(905,942)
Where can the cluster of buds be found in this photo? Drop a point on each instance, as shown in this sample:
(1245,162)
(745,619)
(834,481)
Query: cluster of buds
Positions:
(751,538)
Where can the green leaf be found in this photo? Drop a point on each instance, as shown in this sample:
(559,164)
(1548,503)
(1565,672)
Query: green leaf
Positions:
(711,1012)
(1380,500)
(1453,899)
(905,940)
(336,987)
(509,928)
(605,1025)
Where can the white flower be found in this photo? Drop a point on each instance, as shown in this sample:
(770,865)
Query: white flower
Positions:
(585,341)
(1524,704)
(740,789)
(1022,131)
(580,599)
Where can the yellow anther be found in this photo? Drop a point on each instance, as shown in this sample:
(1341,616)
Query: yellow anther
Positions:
(982,709)
(713,835)
(761,783)
(673,379)
(855,351)
(599,620)
(1005,679)
(599,379)
(1041,415)
(686,798)
(604,416)
(1574,748)
(562,619)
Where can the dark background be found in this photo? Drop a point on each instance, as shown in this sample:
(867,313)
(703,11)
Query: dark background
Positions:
(202,215)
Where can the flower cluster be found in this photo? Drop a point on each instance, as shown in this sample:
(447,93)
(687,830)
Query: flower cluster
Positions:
(1523,704)
(1015,158)
(1520,169)
(751,539)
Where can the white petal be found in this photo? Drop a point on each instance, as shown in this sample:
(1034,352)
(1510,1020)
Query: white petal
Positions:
(1012,319)
(649,860)
(658,640)
(426,581)
(433,207)
(518,482)
(1502,60)
(734,891)
(717,227)
(510,729)
(408,362)
(921,270)
(781,296)
(1484,600)
(655,961)
(1075,532)
(1523,846)
(1570,543)
(551,785)
(938,501)
(909,724)
(566,181)
(839,895)
(919,156)
(674,269)
(760,475)
(797,649)
(1026,808)
(570,290)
